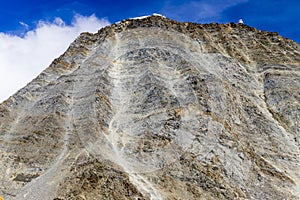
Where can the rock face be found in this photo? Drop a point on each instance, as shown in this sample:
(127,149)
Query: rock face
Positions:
(156,109)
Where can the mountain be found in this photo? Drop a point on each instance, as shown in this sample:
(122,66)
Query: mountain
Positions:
(152,108)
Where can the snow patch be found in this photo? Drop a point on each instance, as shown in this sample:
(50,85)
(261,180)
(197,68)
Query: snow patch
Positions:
(143,17)
(156,14)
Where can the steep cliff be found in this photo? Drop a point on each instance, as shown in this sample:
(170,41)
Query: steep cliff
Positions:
(156,109)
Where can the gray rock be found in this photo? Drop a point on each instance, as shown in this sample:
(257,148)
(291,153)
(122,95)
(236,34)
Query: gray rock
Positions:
(156,109)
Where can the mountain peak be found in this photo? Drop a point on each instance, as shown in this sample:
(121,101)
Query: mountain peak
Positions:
(236,40)
(152,108)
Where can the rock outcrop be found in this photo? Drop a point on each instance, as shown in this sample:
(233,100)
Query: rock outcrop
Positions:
(156,109)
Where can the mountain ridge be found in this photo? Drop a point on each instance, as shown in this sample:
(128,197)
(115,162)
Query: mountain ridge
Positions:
(86,38)
(156,109)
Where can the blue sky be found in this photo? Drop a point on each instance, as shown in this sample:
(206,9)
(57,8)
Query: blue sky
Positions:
(281,16)
(33,33)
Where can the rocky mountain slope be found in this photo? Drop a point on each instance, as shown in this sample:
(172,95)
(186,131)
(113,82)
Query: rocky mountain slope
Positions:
(156,109)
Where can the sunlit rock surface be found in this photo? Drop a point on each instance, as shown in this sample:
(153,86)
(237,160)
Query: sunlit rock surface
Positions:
(155,109)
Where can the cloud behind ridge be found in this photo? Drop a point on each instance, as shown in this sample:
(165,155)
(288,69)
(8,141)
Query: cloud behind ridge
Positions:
(23,58)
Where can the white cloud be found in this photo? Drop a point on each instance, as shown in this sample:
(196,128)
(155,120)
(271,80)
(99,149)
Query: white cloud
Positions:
(23,58)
